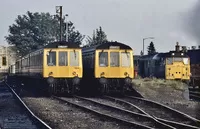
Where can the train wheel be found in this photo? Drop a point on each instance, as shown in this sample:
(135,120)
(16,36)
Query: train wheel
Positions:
(71,90)
(77,88)
(50,89)
(104,89)
(55,90)
(107,89)
(74,89)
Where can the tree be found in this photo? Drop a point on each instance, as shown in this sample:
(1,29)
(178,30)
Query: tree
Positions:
(74,35)
(98,37)
(151,49)
(35,30)
(141,53)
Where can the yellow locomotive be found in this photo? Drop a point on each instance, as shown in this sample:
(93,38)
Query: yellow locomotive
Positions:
(173,65)
(57,68)
(108,66)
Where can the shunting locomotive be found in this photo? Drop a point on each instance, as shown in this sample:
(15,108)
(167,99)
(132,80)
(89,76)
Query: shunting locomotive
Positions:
(173,65)
(57,68)
(108,67)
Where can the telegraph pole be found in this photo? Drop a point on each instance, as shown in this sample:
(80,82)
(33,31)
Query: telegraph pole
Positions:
(145,39)
(66,28)
(59,10)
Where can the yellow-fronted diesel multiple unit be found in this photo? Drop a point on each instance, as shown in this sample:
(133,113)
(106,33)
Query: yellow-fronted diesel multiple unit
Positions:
(62,63)
(118,64)
(61,67)
(58,66)
(108,66)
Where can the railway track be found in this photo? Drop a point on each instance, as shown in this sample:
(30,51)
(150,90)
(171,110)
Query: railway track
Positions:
(109,110)
(161,112)
(38,123)
(194,95)
(132,111)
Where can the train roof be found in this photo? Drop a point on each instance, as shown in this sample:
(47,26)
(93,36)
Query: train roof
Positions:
(57,44)
(194,56)
(158,56)
(62,43)
(106,45)
(136,57)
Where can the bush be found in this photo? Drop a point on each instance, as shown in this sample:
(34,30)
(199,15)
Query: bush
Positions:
(158,83)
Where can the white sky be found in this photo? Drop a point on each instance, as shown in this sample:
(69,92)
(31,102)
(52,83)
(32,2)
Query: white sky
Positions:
(126,21)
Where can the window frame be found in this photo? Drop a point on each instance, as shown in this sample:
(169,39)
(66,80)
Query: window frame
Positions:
(129,59)
(107,64)
(66,55)
(47,63)
(115,62)
(77,56)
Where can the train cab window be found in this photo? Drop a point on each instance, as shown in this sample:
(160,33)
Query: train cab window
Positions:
(169,61)
(74,58)
(126,59)
(63,59)
(114,59)
(178,59)
(51,59)
(103,59)
(186,61)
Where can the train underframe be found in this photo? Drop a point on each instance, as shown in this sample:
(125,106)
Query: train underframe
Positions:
(51,86)
(195,81)
(64,86)
(115,85)
(108,85)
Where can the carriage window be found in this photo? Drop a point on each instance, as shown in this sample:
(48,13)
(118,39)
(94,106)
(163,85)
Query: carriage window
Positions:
(103,59)
(169,61)
(186,61)
(63,59)
(126,60)
(51,59)
(74,58)
(114,59)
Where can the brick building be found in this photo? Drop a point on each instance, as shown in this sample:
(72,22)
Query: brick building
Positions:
(7,57)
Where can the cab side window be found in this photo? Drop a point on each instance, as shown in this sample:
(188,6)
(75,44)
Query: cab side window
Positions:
(51,59)
(103,59)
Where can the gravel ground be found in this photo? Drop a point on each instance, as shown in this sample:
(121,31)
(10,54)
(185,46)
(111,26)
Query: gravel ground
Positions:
(172,95)
(12,116)
(113,112)
(61,116)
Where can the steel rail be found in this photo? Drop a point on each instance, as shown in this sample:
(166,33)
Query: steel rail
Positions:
(144,114)
(195,122)
(40,123)
(163,121)
(104,115)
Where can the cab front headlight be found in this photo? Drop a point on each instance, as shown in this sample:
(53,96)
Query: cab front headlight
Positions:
(126,74)
(102,74)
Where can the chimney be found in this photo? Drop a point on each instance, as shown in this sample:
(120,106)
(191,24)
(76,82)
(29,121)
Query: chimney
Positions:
(184,48)
(177,47)
(193,47)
